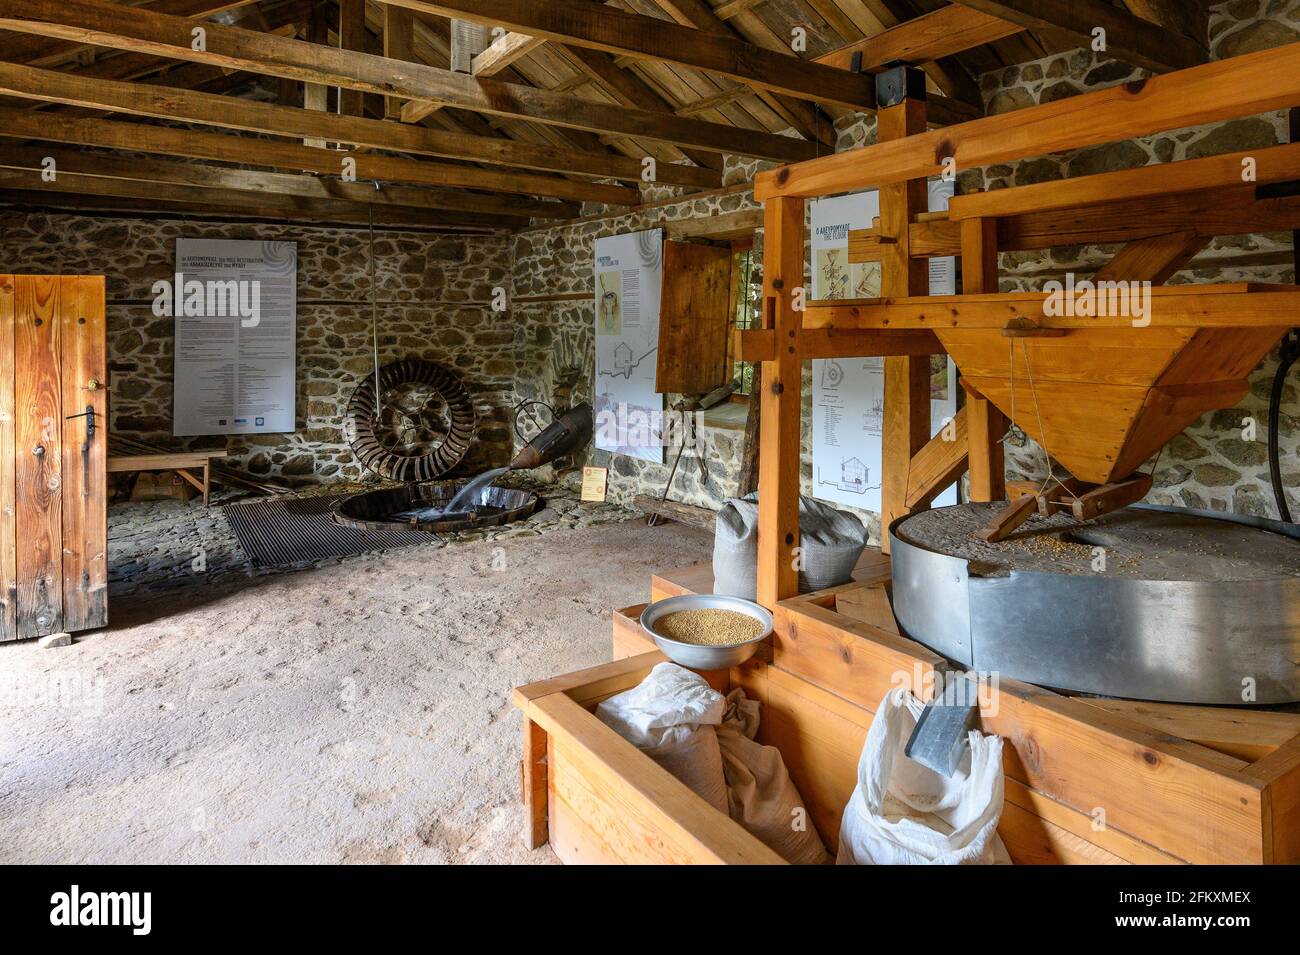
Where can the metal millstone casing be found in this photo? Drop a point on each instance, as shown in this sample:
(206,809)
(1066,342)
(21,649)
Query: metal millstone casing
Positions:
(1180,641)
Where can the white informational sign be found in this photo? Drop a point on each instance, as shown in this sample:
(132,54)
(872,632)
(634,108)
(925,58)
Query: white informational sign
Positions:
(235,366)
(849,394)
(943,270)
(833,276)
(629,281)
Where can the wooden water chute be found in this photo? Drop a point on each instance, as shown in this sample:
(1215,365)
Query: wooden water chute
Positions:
(1101,392)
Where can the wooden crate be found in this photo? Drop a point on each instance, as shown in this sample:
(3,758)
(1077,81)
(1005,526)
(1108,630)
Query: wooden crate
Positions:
(1087,780)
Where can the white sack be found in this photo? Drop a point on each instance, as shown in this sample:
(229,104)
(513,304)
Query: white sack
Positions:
(670,716)
(761,796)
(902,813)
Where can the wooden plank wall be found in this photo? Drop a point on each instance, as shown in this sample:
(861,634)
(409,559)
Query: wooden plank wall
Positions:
(8,530)
(53,527)
(85,527)
(38,476)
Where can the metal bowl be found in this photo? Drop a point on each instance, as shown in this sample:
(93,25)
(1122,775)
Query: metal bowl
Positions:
(694,656)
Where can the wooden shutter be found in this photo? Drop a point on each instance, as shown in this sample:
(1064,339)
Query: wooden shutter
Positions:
(693,319)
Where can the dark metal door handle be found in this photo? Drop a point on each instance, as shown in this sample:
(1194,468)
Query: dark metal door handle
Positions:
(89,415)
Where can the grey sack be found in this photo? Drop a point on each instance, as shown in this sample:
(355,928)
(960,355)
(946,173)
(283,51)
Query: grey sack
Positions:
(830,542)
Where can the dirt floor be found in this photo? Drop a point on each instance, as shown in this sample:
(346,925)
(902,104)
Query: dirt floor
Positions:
(356,712)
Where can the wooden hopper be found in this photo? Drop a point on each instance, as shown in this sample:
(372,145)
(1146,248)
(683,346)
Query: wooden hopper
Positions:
(1104,400)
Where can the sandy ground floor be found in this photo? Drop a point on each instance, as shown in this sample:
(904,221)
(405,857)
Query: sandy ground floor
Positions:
(356,712)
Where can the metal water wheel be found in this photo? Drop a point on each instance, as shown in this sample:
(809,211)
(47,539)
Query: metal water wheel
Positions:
(421,426)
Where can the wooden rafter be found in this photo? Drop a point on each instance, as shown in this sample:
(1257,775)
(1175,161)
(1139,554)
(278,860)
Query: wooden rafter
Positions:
(1270,79)
(1129,38)
(944,32)
(215,147)
(324,66)
(290,207)
(627,34)
(188,106)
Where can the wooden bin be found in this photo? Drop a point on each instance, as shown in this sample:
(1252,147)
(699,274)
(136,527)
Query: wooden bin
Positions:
(1087,780)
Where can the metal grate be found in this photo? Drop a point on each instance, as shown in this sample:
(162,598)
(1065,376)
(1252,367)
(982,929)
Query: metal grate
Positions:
(280,532)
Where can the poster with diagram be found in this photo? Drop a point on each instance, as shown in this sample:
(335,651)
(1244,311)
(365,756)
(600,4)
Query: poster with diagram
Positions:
(235,313)
(628,283)
(849,394)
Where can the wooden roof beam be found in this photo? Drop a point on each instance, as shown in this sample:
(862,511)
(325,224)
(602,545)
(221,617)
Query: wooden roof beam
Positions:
(216,147)
(230,113)
(233,48)
(104,165)
(24,49)
(269,206)
(1225,89)
(1129,38)
(944,32)
(614,31)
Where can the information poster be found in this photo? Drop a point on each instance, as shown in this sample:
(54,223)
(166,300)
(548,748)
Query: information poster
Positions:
(628,280)
(849,394)
(235,310)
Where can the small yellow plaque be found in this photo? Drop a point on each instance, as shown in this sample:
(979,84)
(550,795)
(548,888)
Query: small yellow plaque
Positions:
(594,483)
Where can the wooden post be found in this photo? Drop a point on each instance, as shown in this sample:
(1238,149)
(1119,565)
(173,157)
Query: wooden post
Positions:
(779,426)
(907,378)
(533,786)
(985,424)
(8,459)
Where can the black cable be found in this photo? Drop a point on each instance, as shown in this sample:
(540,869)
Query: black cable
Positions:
(527,405)
(1287,356)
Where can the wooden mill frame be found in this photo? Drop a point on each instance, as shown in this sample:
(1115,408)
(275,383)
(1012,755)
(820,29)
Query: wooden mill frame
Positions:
(1161,214)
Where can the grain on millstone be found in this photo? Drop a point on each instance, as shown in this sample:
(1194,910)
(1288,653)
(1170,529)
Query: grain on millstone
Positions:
(708,628)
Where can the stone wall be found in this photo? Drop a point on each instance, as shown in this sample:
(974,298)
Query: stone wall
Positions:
(1208,466)
(434,294)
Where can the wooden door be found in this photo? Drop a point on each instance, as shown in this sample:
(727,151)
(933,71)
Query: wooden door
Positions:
(53,403)
(693,318)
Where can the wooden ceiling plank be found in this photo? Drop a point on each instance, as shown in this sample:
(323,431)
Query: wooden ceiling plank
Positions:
(631,90)
(791,111)
(1129,38)
(319,64)
(614,31)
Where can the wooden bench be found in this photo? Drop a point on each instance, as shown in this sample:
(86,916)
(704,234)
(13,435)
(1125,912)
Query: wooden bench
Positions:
(181,462)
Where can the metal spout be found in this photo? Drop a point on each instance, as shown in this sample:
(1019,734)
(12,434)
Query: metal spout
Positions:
(567,433)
